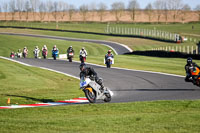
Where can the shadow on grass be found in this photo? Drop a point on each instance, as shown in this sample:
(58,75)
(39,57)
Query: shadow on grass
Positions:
(31,98)
(164,54)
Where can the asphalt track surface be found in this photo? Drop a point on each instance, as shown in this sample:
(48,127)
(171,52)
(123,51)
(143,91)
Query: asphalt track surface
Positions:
(127,85)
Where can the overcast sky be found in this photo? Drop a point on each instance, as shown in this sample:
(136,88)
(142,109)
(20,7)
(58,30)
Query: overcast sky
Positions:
(142,3)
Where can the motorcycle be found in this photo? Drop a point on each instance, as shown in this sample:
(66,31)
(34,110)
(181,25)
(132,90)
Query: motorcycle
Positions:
(195,72)
(82,58)
(109,61)
(93,92)
(70,56)
(55,54)
(36,53)
(25,53)
(44,53)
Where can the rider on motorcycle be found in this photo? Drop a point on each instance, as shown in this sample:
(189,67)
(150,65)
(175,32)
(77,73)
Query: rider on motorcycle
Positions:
(70,50)
(36,51)
(188,67)
(25,52)
(83,54)
(44,47)
(89,71)
(109,54)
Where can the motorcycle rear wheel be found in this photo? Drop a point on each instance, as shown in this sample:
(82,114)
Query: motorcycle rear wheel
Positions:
(90,96)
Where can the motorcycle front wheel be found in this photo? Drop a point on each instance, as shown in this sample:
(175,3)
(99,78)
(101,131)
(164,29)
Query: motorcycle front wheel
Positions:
(90,96)
(108,97)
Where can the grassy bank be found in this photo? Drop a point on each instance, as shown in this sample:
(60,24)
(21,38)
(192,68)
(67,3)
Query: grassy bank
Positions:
(134,43)
(189,28)
(31,85)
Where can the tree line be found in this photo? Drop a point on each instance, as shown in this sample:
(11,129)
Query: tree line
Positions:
(58,10)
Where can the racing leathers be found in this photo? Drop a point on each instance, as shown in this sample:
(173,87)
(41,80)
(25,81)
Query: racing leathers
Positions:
(89,71)
(188,68)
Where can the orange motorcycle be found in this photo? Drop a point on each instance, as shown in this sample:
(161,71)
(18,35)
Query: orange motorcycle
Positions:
(195,75)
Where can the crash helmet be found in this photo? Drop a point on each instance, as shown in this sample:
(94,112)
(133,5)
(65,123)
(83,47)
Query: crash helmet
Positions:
(36,47)
(70,46)
(54,46)
(83,48)
(189,60)
(82,66)
(109,51)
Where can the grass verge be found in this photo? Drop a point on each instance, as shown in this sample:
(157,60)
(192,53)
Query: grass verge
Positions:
(30,85)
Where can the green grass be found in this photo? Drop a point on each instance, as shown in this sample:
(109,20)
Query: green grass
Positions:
(32,85)
(29,85)
(100,27)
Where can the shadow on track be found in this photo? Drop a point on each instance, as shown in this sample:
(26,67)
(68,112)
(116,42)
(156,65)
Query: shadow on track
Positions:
(157,90)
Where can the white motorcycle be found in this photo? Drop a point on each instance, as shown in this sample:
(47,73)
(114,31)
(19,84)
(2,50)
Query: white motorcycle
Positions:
(93,92)
(36,53)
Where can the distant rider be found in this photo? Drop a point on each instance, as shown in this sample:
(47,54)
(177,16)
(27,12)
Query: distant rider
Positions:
(109,54)
(83,55)
(89,71)
(19,53)
(44,51)
(70,50)
(25,52)
(36,51)
(190,65)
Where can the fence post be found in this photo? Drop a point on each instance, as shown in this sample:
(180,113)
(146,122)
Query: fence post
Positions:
(192,50)
(188,49)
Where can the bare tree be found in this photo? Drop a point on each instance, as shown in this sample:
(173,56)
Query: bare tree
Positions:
(71,11)
(159,5)
(20,8)
(27,9)
(83,11)
(42,11)
(63,7)
(34,5)
(93,9)
(175,7)
(49,6)
(12,9)
(5,8)
(55,11)
(117,9)
(197,9)
(149,11)
(133,7)
(186,8)
(101,10)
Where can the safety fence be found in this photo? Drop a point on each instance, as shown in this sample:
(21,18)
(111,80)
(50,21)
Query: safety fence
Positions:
(181,49)
(148,33)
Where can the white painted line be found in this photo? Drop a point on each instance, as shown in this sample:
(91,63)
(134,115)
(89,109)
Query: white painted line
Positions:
(40,67)
(110,48)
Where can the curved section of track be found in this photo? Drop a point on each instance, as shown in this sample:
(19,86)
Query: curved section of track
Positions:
(129,85)
(118,48)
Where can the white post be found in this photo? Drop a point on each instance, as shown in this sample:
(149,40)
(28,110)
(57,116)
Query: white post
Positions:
(192,50)
(188,49)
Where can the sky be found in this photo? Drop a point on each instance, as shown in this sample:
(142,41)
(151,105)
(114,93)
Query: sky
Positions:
(142,3)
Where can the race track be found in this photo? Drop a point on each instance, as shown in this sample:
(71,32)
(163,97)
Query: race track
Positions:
(129,85)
